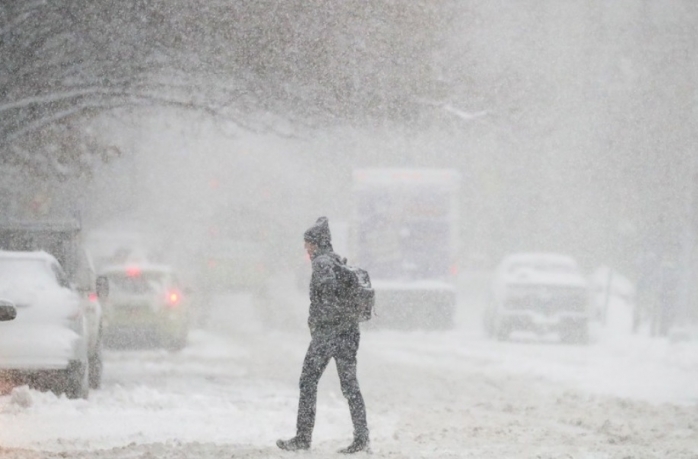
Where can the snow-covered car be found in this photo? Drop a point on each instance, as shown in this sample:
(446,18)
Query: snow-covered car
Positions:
(145,305)
(46,344)
(541,293)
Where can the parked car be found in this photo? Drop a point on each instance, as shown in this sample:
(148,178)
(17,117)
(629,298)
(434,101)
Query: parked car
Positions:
(146,304)
(60,236)
(541,293)
(46,345)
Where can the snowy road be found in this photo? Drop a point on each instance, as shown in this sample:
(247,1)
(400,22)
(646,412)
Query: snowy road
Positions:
(233,391)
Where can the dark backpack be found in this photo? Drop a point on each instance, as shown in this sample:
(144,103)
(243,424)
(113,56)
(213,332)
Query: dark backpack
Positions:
(355,291)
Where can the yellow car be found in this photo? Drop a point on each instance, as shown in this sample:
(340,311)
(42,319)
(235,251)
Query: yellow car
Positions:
(146,306)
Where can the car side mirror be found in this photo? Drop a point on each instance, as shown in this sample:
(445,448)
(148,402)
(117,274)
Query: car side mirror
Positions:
(7,310)
(102,287)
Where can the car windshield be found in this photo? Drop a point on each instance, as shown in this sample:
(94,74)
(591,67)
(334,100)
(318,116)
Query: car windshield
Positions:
(136,282)
(17,270)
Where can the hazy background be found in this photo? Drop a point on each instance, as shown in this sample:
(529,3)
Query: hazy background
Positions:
(572,123)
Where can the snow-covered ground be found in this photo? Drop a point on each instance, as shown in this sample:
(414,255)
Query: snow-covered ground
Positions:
(233,391)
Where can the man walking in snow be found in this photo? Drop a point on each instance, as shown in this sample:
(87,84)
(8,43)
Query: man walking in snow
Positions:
(334,334)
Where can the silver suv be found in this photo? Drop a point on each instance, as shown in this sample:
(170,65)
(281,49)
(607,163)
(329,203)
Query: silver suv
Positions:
(540,293)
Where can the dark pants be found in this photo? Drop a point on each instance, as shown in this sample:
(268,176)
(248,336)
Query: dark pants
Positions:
(342,346)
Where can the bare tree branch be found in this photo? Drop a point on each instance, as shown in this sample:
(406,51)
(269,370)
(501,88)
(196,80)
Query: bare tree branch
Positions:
(312,62)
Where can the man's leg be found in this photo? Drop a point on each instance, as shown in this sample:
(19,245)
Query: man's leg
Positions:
(345,358)
(316,359)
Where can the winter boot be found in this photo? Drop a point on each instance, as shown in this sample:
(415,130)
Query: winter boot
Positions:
(294,444)
(359,444)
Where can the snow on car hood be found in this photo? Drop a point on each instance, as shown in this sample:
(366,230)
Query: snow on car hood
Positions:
(40,301)
(27,279)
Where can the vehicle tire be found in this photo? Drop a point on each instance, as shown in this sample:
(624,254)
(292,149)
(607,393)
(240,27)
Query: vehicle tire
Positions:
(95,368)
(77,384)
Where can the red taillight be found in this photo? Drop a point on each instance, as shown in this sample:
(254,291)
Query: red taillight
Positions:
(173,298)
(454,269)
(92,297)
(133,271)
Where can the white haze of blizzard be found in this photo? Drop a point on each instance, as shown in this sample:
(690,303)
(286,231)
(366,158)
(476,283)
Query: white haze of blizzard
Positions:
(181,175)
(553,161)
(163,400)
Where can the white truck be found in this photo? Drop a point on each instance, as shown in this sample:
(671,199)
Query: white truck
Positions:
(404,232)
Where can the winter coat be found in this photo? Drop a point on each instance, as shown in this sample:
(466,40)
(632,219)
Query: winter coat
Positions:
(326,311)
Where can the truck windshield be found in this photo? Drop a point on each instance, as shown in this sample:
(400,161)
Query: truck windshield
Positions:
(405,233)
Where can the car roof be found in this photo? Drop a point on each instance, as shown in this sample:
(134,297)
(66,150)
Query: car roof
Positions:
(33,255)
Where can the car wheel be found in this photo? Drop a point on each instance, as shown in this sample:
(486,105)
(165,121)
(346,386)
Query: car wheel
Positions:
(77,383)
(96,366)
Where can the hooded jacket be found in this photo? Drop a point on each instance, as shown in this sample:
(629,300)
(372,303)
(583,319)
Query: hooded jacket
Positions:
(326,310)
